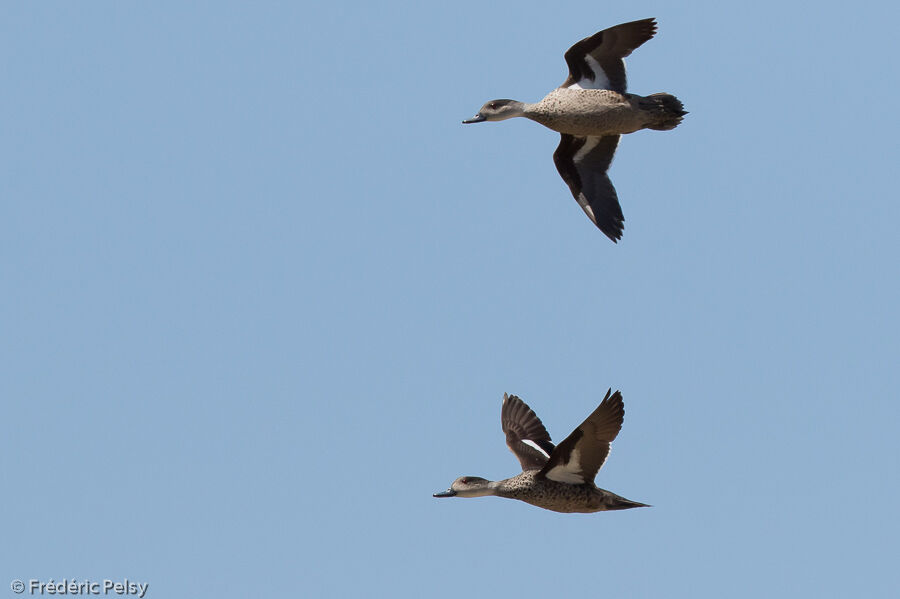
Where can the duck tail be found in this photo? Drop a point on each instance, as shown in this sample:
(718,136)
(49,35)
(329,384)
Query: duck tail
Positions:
(666,111)
(614,502)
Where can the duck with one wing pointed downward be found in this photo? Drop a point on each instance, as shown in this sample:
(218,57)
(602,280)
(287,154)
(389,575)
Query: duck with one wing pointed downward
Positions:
(592,110)
(558,478)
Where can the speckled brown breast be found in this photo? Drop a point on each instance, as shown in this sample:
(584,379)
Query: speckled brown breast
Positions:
(551,495)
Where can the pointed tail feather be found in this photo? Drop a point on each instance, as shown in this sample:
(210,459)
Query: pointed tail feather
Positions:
(666,111)
(614,502)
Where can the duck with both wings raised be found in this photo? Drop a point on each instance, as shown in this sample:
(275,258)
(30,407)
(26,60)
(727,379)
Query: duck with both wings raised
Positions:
(559,478)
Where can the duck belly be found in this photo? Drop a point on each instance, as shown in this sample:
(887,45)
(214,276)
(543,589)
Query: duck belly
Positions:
(558,497)
(585,112)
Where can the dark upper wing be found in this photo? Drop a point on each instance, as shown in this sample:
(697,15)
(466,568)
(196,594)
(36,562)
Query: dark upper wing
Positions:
(577,459)
(596,62)
(582,162)
(525,434)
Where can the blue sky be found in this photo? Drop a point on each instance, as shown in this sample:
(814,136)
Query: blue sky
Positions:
(263,293)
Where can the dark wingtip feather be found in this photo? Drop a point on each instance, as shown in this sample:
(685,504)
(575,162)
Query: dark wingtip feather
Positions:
(612,228)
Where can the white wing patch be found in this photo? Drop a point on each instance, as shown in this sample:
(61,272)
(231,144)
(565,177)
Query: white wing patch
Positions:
(601,81)
(570,472)
(582,201)
(536,446)
(589,144)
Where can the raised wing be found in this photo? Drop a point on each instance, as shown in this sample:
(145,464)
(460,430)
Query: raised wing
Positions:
(525,433)
(596,62)
(577,459)
(582,162)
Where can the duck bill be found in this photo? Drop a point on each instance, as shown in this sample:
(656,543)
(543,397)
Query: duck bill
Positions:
(447,493)
(475,119)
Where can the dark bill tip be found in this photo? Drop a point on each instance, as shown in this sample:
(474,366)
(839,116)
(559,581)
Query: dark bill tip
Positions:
(475,119)
(447,493)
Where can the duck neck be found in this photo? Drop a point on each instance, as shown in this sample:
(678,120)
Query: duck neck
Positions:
(485,489)
(528,110)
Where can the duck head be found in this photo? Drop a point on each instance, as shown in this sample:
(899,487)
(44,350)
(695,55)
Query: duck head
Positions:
(468,486)
(498,110)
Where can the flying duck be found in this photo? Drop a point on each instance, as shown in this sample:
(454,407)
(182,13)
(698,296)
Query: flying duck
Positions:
(559,478)
(591,110)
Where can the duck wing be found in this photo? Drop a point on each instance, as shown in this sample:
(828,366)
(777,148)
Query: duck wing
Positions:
(525,434)
(582,162)
(577,459)
(596,61)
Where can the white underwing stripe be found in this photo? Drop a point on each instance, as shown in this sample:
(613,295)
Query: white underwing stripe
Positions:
(582,201)
(601,81)
(589,144)
(536,446)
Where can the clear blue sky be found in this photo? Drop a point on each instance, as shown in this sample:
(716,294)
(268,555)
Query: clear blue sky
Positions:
(262,294)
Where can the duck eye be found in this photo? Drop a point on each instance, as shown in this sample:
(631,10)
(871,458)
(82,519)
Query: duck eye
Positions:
(492,105)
